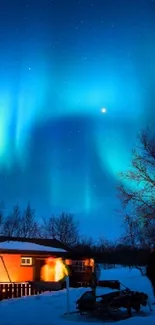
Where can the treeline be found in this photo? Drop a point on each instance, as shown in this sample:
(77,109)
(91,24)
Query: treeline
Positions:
(115,253)
(125,256)
(24,223)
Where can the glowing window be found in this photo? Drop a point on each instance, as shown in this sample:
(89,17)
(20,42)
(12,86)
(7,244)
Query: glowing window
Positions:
(79,266)
(26,261)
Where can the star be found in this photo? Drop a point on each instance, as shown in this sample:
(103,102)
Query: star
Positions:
(103,110)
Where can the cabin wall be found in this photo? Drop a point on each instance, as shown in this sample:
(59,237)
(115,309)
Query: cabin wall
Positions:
(79,270)
(16,272)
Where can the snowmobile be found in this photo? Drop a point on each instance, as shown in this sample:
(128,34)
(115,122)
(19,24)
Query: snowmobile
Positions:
(110,304)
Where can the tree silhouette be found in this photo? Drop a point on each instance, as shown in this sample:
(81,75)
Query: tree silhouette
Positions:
(20,223)
(63,227)
(29,226)
(138,196)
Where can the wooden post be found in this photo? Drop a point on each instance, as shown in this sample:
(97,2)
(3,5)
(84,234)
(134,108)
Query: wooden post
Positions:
(67,293)
(93,284)
(5,268)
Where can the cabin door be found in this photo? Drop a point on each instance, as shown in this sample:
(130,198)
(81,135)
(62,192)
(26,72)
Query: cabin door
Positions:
(38,265)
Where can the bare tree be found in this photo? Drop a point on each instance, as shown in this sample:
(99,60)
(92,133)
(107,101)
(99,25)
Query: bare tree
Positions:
(132,232)
(104,244)
(20,223)
(138,196)
(86,245)
(63,227)
(87,241)
(11,223)
(29,227)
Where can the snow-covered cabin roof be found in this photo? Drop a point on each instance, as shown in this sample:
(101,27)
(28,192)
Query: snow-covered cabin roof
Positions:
(26,246)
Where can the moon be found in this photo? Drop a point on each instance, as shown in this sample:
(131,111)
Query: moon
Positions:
(103,110)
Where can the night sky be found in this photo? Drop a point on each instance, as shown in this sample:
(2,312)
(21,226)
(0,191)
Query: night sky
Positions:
(61,62)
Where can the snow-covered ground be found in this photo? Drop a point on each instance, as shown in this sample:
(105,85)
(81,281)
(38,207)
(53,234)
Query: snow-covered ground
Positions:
(50,308)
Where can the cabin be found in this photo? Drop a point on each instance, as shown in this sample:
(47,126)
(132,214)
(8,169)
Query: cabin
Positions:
(42,260)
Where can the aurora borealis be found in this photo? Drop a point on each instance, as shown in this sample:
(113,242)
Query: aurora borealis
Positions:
(61,62)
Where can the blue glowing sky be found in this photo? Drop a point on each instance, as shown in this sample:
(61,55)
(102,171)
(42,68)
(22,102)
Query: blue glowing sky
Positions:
(60,63)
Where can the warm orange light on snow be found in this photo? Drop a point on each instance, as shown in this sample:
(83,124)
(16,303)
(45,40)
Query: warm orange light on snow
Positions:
(54,270)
